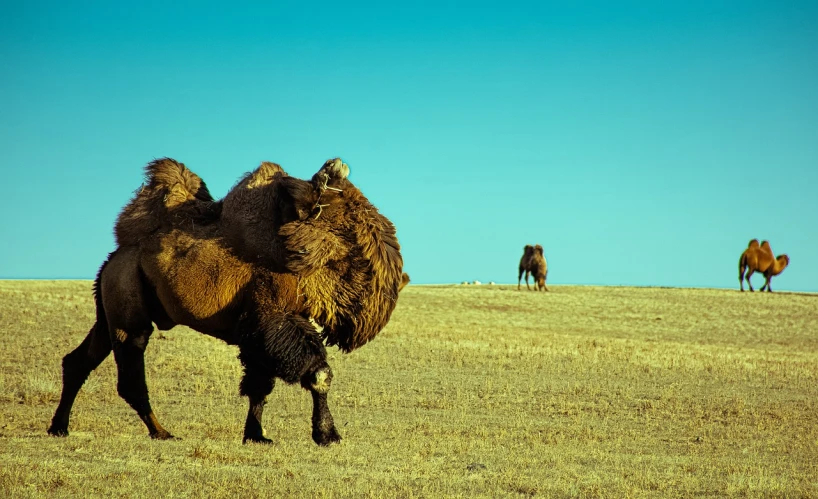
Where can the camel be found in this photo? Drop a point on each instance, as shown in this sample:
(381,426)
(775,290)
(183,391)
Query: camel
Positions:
(759,258)
(330,276)
(533,261)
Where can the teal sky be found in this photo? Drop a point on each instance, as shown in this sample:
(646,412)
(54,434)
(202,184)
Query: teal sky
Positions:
(641,143)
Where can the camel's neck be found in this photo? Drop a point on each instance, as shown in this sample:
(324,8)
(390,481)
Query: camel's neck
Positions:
(779,265)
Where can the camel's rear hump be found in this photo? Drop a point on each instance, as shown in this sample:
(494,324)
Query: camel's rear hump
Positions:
(179,183)
(169,187)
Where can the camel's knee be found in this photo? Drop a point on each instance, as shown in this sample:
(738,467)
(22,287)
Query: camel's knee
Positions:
(319,380)
(79,363)
(255,384)
(130,361)
(76,366)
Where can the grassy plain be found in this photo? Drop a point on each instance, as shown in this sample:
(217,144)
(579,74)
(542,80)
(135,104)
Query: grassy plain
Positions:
(470,391)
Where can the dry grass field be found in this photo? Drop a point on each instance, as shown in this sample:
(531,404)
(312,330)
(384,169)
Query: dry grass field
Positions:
(470,391)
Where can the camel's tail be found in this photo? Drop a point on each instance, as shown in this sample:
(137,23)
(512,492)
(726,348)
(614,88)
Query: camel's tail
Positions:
(102,319)
(742,266)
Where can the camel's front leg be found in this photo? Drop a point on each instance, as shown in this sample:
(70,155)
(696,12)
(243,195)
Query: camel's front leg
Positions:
(285,346)
(256,386)
(323,426)
(767,280)
(749,284)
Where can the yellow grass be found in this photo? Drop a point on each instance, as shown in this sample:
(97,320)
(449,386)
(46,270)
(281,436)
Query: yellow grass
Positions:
(469,392)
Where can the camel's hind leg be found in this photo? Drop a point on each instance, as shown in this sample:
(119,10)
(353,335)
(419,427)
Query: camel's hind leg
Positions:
(129,353)
(526,281)
(76,366)
(130,328)
(741,270)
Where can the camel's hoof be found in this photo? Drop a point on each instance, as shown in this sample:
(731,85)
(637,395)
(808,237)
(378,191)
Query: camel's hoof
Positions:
(328,438)
(58,432)
(163,435)
(257,440)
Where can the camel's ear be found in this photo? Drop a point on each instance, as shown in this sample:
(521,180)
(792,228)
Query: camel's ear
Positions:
(308,247)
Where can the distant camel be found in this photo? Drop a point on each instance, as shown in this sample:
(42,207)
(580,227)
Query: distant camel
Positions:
(533,261)
(759,258)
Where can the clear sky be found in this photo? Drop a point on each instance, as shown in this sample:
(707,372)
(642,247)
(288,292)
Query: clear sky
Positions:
(641,143)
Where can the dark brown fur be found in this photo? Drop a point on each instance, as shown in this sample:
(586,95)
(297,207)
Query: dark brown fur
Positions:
(533,261)
(759,258)
(213,266)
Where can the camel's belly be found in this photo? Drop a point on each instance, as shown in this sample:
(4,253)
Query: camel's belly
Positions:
(199,283)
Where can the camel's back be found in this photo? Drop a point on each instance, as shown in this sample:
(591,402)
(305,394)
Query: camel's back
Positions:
(757,258)
(251,216)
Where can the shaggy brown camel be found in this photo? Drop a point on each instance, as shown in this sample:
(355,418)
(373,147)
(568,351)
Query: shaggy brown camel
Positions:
(759,258)
(533,261)
(331,275)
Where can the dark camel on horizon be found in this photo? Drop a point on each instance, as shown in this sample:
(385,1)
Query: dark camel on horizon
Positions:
(533,262)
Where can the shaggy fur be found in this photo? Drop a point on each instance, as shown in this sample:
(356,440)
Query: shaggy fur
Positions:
(404,280)
(344,251)
(257,270)
(759,258)
(533,261)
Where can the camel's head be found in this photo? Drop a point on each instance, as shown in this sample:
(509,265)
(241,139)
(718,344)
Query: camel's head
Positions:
(327,205)
(332,172)
(302,200)
(348,256)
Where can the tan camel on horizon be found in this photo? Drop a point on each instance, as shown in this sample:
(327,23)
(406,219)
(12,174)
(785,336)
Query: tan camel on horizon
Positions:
(759,258)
